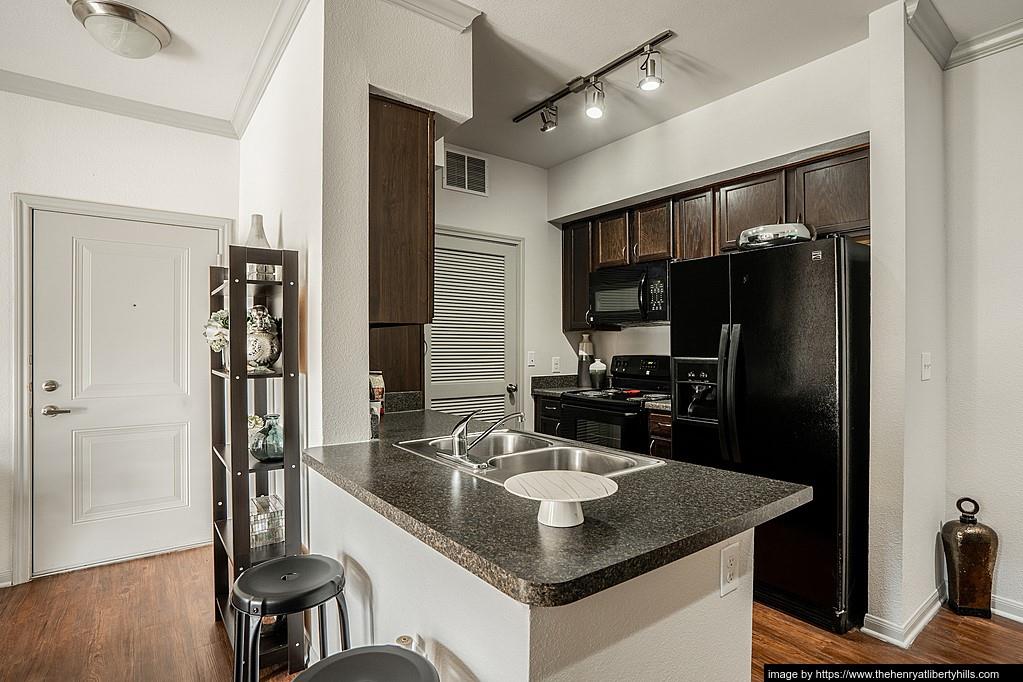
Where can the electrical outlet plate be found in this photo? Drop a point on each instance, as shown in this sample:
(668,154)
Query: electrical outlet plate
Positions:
(531,359)
(729,568)
(925,366)
(555,365)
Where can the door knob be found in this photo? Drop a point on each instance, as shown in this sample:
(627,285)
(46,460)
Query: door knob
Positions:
(50,385)
(53,411)
(512,388)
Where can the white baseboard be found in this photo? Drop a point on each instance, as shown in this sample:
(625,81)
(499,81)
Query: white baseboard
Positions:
(6,578)
(1007,608)
(903,635)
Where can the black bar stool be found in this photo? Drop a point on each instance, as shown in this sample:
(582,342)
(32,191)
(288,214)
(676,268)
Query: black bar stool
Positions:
(280,587)
(381,663)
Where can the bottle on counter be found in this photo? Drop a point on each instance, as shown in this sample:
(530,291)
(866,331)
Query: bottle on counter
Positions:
(598,374)
(585,360)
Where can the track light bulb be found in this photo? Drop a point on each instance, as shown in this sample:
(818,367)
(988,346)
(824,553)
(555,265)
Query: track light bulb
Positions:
(595,99)
(548,118)
(650,70)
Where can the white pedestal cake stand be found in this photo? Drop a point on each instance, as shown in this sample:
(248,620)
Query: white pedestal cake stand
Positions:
(560,493)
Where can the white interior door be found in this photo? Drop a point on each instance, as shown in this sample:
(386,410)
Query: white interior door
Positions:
(472,361)
(118,309)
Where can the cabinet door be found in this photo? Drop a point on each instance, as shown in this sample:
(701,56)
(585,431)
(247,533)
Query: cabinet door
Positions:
(651,232)
(832,195)
(759,200)
(400,213)
(397,351)
(660,448)
(611,240)
(575,276)
(695,226)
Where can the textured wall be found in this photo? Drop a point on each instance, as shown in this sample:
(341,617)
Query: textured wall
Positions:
(517,207)
(983,110)
(824,100)
(70,152)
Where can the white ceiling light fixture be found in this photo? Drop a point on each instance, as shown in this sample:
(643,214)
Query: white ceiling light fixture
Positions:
(548,118)
(650,70)
(595,99)
(123,30)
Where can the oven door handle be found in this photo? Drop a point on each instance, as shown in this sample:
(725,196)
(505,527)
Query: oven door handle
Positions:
(575,411)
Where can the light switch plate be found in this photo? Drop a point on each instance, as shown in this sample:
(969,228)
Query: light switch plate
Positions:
(925,366)
(555,365)
(729,568)
(531,359)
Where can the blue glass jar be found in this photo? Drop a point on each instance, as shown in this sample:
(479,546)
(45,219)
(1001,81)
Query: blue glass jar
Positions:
(268,446)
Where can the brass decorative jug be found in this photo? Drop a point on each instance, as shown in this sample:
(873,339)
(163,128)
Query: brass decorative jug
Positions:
(970,550)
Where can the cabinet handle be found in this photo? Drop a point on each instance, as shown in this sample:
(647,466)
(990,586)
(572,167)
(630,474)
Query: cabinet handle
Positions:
(650,450)
(625,252)
(589,316)
(635,251)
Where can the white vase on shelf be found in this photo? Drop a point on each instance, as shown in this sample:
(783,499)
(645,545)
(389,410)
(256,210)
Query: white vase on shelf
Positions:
(257,237)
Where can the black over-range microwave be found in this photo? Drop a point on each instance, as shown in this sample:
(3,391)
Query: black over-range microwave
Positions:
(629,295)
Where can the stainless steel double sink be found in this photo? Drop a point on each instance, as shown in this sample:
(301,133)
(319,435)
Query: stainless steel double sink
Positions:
(505,453)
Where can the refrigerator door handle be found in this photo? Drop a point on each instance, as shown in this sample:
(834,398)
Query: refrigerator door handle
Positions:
(722,393)
(733,363)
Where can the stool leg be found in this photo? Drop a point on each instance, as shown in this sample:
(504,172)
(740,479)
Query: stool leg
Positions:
(342,612)
(322,612)
(252,660)
(240,623)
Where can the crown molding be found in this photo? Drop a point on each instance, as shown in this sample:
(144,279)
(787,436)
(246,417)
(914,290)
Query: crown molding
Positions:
(986,44)
(925,20)
(68,94)
(451,13)
(275,42)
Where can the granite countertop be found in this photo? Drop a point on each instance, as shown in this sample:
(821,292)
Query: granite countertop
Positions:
(658,405)
(658,515)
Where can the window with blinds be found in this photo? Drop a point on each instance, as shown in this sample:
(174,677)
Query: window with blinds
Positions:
(468,337)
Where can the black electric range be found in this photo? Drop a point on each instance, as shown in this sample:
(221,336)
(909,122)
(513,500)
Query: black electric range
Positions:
(614,417)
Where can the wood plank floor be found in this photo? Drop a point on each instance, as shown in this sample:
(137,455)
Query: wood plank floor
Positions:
(152,620)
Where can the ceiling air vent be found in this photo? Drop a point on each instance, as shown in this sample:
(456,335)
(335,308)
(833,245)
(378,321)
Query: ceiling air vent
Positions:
(465,173)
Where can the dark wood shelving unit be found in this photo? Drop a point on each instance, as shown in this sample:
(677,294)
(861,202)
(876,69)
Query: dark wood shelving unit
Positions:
(237,475)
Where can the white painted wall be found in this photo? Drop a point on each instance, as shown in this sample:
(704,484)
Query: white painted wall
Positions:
(280,176)
(983,110)
(908,317)
(379,44)
(65,151)
(818,102)
(517,207)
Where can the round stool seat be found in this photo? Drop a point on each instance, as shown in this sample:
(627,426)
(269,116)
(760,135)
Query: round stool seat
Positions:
(286,585)
(381,663)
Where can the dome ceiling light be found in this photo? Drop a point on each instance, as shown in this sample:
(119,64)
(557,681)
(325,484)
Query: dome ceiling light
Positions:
(592,85)
(123,30)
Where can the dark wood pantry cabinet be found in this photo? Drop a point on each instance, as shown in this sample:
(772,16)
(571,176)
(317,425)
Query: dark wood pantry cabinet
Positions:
(759,200)
(650,235)
(401,228)
(576,254)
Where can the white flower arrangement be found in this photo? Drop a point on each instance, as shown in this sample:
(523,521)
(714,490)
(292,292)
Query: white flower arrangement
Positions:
(216,330)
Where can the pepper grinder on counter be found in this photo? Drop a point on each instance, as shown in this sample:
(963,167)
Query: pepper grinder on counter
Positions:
(585,360)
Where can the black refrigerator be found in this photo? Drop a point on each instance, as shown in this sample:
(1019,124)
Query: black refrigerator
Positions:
(770,377)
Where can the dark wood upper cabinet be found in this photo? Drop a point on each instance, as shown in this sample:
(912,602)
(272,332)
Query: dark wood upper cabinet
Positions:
(694,226)
(611,240)
(401,230)
(651,235)
(831,195)
(759,200)
(576,252)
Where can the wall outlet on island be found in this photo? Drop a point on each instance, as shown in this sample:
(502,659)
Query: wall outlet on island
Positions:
(729,568)
(531,359)
(555,365)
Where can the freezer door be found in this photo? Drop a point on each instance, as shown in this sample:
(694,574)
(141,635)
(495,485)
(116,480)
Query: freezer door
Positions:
(784,420)
(699,306)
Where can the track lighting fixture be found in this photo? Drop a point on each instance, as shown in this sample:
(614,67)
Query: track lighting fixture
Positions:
(650,69)
(595,99)
(592,85)
(548,118)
